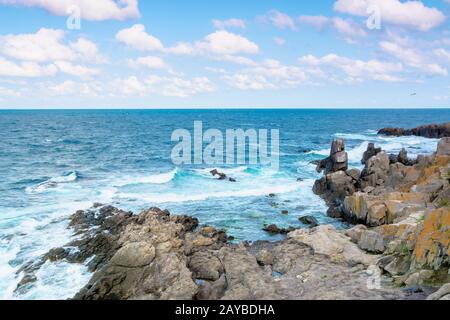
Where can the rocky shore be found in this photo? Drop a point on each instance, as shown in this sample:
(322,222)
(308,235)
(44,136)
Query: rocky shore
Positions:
(398,249)
(436,131)
(402,208)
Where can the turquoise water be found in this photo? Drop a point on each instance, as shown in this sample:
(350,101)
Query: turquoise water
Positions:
(56,162)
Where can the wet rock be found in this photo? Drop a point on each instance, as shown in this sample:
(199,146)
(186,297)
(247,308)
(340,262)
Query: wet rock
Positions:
(285,212)
(442,292)
(309,220)
(220,175)
(274,229)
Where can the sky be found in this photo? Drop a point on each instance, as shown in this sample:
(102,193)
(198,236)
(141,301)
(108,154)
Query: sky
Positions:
(224,54)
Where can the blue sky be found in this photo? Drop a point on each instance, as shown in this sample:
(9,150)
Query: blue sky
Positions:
(253,53)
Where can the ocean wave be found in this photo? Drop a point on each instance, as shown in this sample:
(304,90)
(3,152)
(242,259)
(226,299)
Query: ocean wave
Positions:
(161,178)
(53,182)
(179,198)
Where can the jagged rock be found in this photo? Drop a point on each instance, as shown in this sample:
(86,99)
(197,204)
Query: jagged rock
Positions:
(370,152)
(338,159)
(356,232)
(376,170)
(220,175)
(371,241)
(309,220)
(429,131)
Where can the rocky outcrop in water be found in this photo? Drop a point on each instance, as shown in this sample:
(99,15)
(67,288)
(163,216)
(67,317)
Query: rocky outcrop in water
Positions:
(338,159)
(436,131)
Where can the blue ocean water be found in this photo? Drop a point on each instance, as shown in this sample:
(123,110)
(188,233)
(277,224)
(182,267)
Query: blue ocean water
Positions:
(56,162)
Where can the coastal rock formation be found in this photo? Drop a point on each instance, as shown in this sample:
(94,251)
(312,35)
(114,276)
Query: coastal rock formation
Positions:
(403,209)
(338,159)
(370,152)
(436,131)
(155,255)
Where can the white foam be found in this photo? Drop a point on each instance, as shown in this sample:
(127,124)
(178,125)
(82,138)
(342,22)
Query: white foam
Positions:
(53,182)
(161,178)
(178,198)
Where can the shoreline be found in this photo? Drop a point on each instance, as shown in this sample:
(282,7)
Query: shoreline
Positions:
(206,266)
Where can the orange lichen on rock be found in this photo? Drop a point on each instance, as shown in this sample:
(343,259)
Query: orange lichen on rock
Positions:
(433,242)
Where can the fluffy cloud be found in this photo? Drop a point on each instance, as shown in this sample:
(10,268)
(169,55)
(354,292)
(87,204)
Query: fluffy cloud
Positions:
(44,53)
(412,14)
(345,27)
(26,69)
(413,58)
(97,10)
(270,74)
(218,43)
(137,38)
(230,23)
(70,87)
(224,42)
(355,70)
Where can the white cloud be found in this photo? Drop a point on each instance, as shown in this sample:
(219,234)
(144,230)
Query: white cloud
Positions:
(150,62)
(245,81)
(442,53)
(68,88)
(279,20)
(76,70)
(9,92)
(236,59)
(224,42)
(220,42)
(95,10)
(413,58)
(137,38)
(26,69)
(270,74)
(345,27)
(230,23)
(355,70)
(412,14)
(157,85)
(42,46)
(43,53)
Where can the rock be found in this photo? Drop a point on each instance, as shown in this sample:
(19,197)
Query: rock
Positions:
(232,180)
(419,278)
(370,152)
(432,248)
(375,171)
(309,220)
(326,240)
(212,290)
(371,241)
(134,255)
(205,265)
(220,175)
(435,131)
(443,291)
(355,233)
(274,229)
(338,159)
(444,147)
(285,212)
(265,258)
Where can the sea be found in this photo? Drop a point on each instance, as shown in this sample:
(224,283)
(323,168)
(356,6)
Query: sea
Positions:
(55,162)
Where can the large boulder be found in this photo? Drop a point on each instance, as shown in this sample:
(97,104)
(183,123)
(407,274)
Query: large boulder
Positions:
(326,240)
